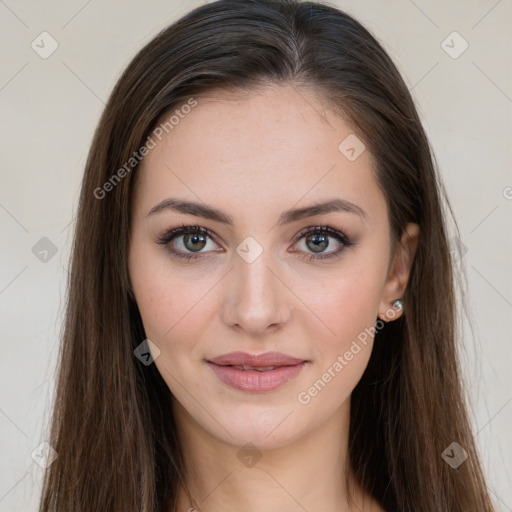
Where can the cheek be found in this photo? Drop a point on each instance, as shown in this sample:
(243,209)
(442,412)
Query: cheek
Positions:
(171,303)
(348,309)
(153,292)
(346,300)
(347,305)
(155,303)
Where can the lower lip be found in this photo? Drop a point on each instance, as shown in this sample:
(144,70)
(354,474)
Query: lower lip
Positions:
(253,380)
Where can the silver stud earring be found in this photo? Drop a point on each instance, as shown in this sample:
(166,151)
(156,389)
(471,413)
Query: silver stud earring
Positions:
(398,304)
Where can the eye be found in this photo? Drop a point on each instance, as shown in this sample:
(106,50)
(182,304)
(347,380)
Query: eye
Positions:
(316,239)
(191,238)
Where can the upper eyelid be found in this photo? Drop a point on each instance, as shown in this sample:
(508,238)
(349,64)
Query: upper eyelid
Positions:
(183,230)
(329,230)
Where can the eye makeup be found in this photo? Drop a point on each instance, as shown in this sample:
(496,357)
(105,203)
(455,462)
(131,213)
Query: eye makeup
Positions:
(311,233)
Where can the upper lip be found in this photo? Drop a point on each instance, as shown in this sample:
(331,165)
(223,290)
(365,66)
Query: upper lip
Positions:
(265,359)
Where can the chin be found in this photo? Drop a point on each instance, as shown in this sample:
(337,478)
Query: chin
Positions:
(267,430)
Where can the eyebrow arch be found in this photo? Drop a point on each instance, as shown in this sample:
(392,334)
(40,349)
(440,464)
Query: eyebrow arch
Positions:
(288,216)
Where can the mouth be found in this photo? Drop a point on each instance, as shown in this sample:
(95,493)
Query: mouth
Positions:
(256,378)
(256,368)
(244,360)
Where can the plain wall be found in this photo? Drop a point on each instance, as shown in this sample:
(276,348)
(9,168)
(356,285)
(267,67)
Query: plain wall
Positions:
(50,108)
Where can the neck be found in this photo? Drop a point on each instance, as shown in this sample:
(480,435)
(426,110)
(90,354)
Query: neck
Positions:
(310,473)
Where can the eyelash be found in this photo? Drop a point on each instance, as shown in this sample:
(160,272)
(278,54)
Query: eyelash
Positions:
(195,229)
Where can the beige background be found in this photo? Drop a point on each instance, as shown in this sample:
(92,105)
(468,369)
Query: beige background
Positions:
(49,111)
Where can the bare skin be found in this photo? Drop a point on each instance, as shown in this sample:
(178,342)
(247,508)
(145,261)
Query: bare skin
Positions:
(254,156)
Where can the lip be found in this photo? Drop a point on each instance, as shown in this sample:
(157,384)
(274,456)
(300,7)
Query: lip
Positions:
(264,359)
(287,368)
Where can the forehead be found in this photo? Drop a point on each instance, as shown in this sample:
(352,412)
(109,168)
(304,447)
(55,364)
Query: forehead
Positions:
(256,149)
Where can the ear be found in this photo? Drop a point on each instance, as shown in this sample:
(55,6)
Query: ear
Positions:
(398,274)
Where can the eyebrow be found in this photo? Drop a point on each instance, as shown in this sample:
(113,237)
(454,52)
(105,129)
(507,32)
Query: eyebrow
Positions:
(288,216)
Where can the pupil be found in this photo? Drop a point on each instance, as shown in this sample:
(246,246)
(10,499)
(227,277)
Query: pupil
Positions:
(318,245)
(196,239)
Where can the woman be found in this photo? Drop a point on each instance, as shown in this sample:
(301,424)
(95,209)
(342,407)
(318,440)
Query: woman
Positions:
(261,310)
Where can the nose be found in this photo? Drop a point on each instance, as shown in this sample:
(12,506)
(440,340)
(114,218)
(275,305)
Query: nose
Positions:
(257,299)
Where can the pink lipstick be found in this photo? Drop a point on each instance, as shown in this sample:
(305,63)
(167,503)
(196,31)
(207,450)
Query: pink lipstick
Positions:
(258,372)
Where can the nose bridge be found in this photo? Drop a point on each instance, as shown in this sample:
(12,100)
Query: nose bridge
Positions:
(257,298)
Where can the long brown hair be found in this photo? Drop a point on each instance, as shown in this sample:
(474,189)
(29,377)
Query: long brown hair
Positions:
(112,425)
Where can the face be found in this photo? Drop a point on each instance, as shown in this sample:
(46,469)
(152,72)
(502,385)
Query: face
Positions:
(254,277)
